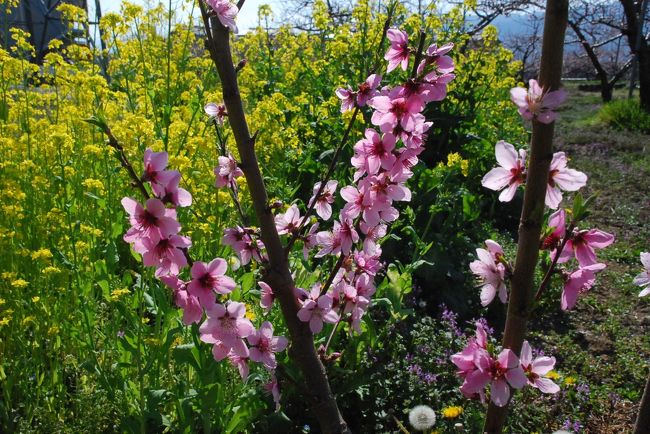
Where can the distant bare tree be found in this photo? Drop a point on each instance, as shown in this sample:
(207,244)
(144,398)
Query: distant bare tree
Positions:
(526,46)
(601,42)
(636,16)
(298,13)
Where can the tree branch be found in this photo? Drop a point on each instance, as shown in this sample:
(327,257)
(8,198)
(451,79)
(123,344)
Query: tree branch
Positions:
(278,274)
(530,226)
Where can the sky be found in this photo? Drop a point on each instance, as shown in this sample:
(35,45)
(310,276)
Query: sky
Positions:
(246,19)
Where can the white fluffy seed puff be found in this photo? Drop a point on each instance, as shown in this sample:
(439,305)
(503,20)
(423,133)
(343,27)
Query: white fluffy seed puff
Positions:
(422,417)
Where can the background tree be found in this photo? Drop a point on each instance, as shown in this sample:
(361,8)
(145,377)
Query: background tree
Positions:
(601,42)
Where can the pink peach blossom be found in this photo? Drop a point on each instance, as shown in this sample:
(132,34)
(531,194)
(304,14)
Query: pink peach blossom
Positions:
(226,172)
(324,201)
(579,282)
(166,254)
(398,53)
(267,296)
(226,327)
(536,102)
(226,12)
(317,309)
(536,369)
(583,244)
(153,221)
(491,275)
(561,177)
(288,222)
(216,111)
(263,345)
(511,173)
(208,279)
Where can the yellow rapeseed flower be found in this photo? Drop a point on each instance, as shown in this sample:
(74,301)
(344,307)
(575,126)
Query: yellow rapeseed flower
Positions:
(116,294)
(36,299)
(43,254)
(464,167)
(50,270)
(19,283)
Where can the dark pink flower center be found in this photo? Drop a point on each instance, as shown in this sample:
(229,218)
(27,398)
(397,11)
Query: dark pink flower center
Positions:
(148,219)
(264,346)
(229,324)
(208,281)
(497,371)
(399,108)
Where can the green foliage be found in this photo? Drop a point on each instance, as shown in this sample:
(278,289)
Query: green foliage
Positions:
(625,114)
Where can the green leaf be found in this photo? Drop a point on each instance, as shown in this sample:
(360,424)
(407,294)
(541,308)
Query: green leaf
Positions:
(187,354)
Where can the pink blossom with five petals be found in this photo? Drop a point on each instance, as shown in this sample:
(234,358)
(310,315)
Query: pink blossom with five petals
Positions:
(534,102)
(511,173)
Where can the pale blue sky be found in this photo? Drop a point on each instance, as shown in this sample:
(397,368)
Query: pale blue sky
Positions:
(246,19)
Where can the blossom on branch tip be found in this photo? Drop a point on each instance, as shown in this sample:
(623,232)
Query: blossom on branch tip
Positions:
(350,98)
(437,56)
(216,111)
(398,53)
(534,102)
(155,164)
(225,11)
(511,173)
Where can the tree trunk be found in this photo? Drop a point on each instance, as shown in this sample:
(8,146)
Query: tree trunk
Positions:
(606,91)
(530,225)
(642,425)
(644,77)
(321,399)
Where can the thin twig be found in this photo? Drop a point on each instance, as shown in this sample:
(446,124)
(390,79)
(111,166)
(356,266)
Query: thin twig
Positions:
(333,274)
(323,182)
(298,233)
(418,54)
(233,187)
(551,268)
(113,143)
